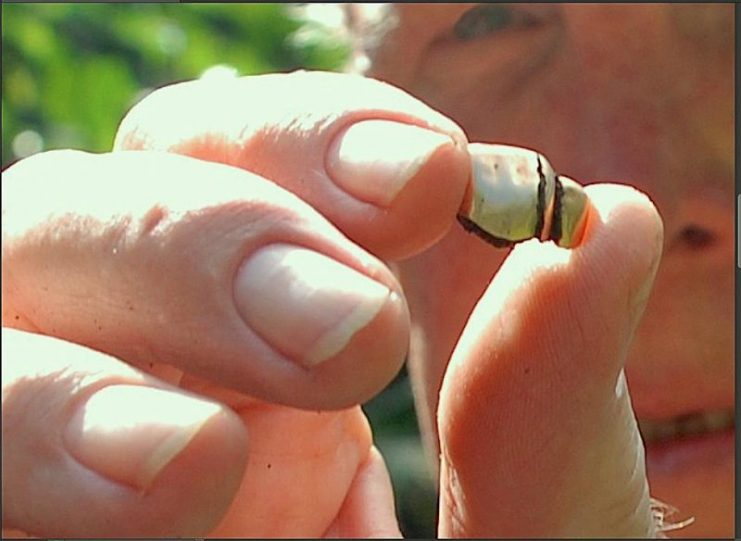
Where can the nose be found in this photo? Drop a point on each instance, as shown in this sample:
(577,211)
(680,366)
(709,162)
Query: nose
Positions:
(700,227)
(695,148)
(695,177)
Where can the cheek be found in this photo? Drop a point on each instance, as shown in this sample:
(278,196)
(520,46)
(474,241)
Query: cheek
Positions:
(682,354)
(692,303)
(695,312)
(597,111)
(588,128)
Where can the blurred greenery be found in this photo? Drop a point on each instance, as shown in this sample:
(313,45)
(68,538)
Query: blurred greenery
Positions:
(71,71)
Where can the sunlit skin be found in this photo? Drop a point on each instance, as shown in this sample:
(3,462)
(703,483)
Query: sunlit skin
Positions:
(641,95)
(133,254)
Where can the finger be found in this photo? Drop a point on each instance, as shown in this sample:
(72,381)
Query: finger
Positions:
(158,258)
(386,169)
(534,416)
(302,466)
(368,510)
(94,448)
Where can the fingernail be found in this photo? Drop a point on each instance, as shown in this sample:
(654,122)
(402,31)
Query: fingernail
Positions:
(374,159)
(305,304)
(129,433)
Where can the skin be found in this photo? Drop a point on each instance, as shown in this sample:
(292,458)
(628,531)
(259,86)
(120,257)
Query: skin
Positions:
(634,94)
(129,260)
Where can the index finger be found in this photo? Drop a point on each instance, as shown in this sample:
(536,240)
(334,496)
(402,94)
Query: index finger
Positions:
(386,169)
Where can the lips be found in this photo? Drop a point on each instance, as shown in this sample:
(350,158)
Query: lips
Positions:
(697,424)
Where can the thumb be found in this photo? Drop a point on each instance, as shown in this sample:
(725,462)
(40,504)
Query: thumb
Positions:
(538,371)
(234,280)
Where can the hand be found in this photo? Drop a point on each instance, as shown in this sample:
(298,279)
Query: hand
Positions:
(537,435)
(545,435)
(136,321)
(570,453)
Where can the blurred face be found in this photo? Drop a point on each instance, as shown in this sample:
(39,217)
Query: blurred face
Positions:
(636,94)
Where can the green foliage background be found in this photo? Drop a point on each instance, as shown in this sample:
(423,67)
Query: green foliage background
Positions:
(71,71)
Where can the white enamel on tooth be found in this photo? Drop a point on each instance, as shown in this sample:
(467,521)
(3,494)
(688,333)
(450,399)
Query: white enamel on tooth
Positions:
(515,195)
(506,190)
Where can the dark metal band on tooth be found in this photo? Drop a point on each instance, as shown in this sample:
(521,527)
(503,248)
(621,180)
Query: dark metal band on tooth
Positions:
(541,204)
(556,231)
(471,227)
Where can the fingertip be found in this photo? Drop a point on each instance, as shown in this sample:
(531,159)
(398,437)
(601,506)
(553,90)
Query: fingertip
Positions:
(625,227)
(627,205)
(381,347)
(404,183)
(338,323)
(373,160)
(95,448)
(368,510)
(626,234)
(427,206)
(132,434)
(209,473)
